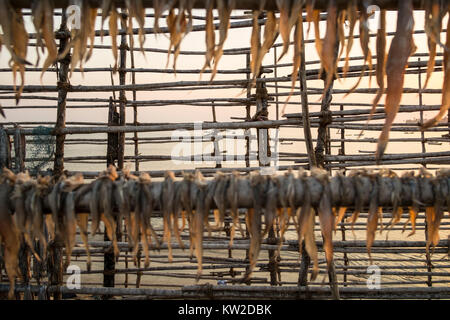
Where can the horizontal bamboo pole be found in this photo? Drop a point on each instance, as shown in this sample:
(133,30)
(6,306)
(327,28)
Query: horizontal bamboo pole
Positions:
(242,4)
(252,292)
(146,70)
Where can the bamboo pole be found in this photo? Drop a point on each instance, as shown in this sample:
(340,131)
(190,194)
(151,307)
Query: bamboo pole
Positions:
(240,5)
(63,85)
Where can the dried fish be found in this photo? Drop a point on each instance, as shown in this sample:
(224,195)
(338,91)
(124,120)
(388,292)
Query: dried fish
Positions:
(80,37)
(224,7)
(101,208)
(433,26)
(445,104)
(9,233)
(381,64)
(326,217)
(109,9)
(41,190)
(198,196)
(402,47)
(177,28)
(270,208)
(352,16)
(209,36)
(23,189)
(374,215)
(306,222)
(298,47)
(328,55)
(254,221)
(232,198)
(167,200)
(15,39)
(286,195)
(364,39)
(42,12)
(143,211)
(136,10)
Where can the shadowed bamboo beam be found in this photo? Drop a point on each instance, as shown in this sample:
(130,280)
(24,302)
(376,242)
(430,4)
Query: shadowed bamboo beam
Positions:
(242,4)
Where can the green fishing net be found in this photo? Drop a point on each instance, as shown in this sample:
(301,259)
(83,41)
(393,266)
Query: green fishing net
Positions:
(40,149)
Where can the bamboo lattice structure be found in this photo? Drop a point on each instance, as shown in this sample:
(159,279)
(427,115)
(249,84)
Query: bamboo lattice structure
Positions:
(333,126)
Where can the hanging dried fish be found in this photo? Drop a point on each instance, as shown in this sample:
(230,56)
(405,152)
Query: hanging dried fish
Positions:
(159,6)
(232,198)
(373,215)
(381,65)
(224,7)
(183,203)
(323,207)
(42,12)
(289,12)
(352,16)
(402,47)
(209,36)
(143,211)
(9,234)
(340,31)
(177,28)
(253,220)
(168,200)
(270,209)
(23,190)
(298,47)
(136,10)
(101,207)
(433,26)
(364,39)
(109,9)
(62,204)
(80,37)
(18,43)
(445,104)
(363,186)
(41,190)
(328,55)
(306,221)
(342,188)
(219,196)
(198,196)
(255,48)
(286,195)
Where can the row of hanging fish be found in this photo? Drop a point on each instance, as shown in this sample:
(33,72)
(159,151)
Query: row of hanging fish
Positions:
(390,65)
(31,207)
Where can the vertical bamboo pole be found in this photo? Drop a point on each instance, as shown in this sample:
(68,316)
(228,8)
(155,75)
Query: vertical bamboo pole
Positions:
(63,85)
(5,149)
(275,62)
(122,96)
(422,133)
(305,259)
(54,257)
(216,150)
(247,132)
(342,152)
(305,110)
(19,150)
(135,113)
(113,138)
